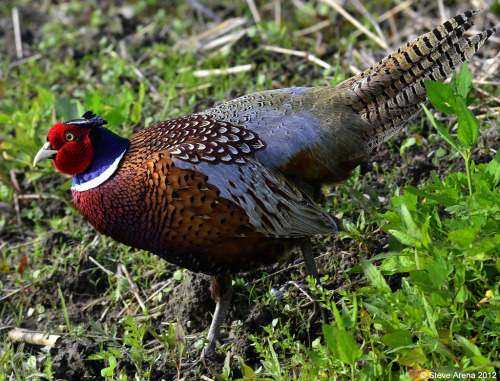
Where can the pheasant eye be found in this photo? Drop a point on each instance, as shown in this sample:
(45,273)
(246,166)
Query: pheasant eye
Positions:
(69,136)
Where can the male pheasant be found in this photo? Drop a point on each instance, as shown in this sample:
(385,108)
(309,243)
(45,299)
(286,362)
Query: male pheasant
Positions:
(235,187)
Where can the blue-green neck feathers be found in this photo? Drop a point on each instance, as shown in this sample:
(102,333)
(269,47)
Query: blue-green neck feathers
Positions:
(108,148)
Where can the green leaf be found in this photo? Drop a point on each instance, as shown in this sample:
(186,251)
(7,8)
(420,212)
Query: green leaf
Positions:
(115,117)
(319,360)
(142,92)
(5,118)
(179,337)
(422,278)
(437,181)
(247,372)
(65,108)
(463,237)
(426,240)
(178,274)
(94,101)
(411,226)
(407,143)
(436,344)
(493,168)
(484,246)
(464,81)
(480,361)
(397,264)
(468,125)
(397,339)
(441,129)
(368,373)
(405,377)
(348,348)
(45,97)
(441,96)
(338,319)
(405,238)
(457,209)
(408,199)
(135,116)
(431,196)
(439,270)
(469,348)
(441,298)
(394,245)
(108,372)
(416,356)
(373,274)
(461,295)
(331,334)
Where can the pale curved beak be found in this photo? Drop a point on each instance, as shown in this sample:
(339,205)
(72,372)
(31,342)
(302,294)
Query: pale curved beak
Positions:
(45,153)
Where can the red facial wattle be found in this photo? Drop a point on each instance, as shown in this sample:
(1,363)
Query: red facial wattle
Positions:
(74,148)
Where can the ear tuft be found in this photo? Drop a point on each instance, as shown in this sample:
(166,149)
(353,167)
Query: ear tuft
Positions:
(88,120)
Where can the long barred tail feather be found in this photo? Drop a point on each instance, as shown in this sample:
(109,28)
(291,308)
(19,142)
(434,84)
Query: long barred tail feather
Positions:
(406,57)
(391,91)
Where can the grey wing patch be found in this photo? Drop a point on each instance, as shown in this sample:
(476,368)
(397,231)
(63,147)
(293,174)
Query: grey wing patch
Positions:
(277,207)
(274,206)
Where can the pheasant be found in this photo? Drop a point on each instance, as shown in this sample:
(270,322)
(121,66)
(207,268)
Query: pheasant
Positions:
(235,187)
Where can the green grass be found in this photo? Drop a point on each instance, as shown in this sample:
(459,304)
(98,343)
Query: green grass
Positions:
(438,234)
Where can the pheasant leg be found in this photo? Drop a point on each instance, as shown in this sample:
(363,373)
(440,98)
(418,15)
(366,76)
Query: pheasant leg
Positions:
(312,270)
(222,292)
